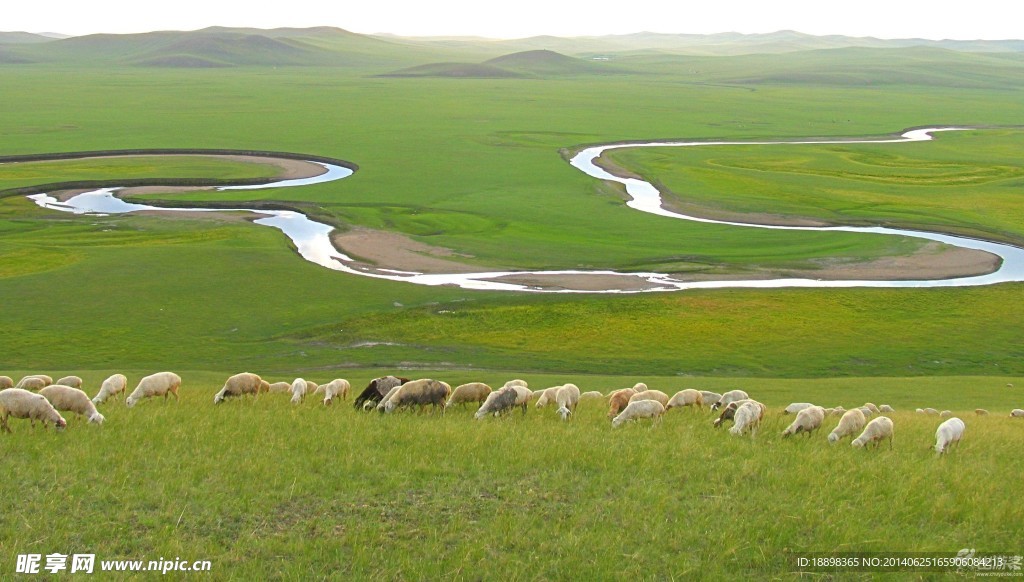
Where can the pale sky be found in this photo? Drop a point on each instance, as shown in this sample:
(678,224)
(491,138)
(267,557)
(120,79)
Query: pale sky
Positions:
(934,19)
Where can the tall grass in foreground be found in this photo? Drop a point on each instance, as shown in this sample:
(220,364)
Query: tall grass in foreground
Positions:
(265,489)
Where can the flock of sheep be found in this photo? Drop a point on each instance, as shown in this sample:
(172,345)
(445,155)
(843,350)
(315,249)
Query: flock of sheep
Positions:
(38,397)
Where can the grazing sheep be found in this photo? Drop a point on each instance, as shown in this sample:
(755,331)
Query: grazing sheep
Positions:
(498,402)
(523,395)
(931,411)
(591,395)
(32,383)
(264,387)
(1017,413)
(980,412)
(638,409)
(851,423)
(67,399)
(807,420)
(651,395)
(465,393)
(920,411)
(6,382)
(419,392)
(545,396)
(46,380)
(949,433)
(312,387)
(298,390)
(871,407)
(159,384)
(838,411)
(710,398)
(239,385)
(567,397)
(21,403)
(687,397)
(112,386)
(516,382)
(729,412)
(730,396)
(886,408)
(867,411)
(387,397)
(335,388)
(639,387)
(72,381)
(796,407)
(377,389)
(618,400)
(748,417)
(280,387)
(946,414)
(878,429)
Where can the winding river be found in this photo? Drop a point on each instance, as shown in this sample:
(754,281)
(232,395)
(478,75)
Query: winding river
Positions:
(313,239)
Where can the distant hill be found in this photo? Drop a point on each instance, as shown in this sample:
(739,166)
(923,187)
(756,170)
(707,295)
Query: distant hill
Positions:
(533,63)
(228,47)
(24,38)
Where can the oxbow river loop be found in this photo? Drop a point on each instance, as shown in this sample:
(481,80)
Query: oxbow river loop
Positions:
(313,239)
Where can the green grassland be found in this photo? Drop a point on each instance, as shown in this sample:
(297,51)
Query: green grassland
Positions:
(268,490)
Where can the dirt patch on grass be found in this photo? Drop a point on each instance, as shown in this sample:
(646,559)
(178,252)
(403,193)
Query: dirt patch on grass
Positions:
(389,250)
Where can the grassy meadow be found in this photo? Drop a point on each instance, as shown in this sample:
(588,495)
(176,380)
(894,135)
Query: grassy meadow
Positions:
(265,489)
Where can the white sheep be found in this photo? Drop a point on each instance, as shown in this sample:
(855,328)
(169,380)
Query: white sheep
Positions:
(730,396)
(807,420)
(949,433)
(567,398)
(72,381)
(312,387)
(640,387)
(711,398)
(21,403)
(422,392)
(931,411)
(591,395)
(6,382)
(871,407)
(878,429)
(67,399)
(239,385)
(748,417)
(516,382)
(112,386)
(920,411)
(1017,413)
(851,423)
(498,402)
(796,407)
(867,411)
(298,390)
(523,395)
(946,414)
(640,409)
(687,397)
(837,411)
(334,388)
(46,380)
(885,408)
(264,387)
(159,384)
(545,396)
(471,392)
(384,401)
(32,384)
(280,387)
(658,395)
